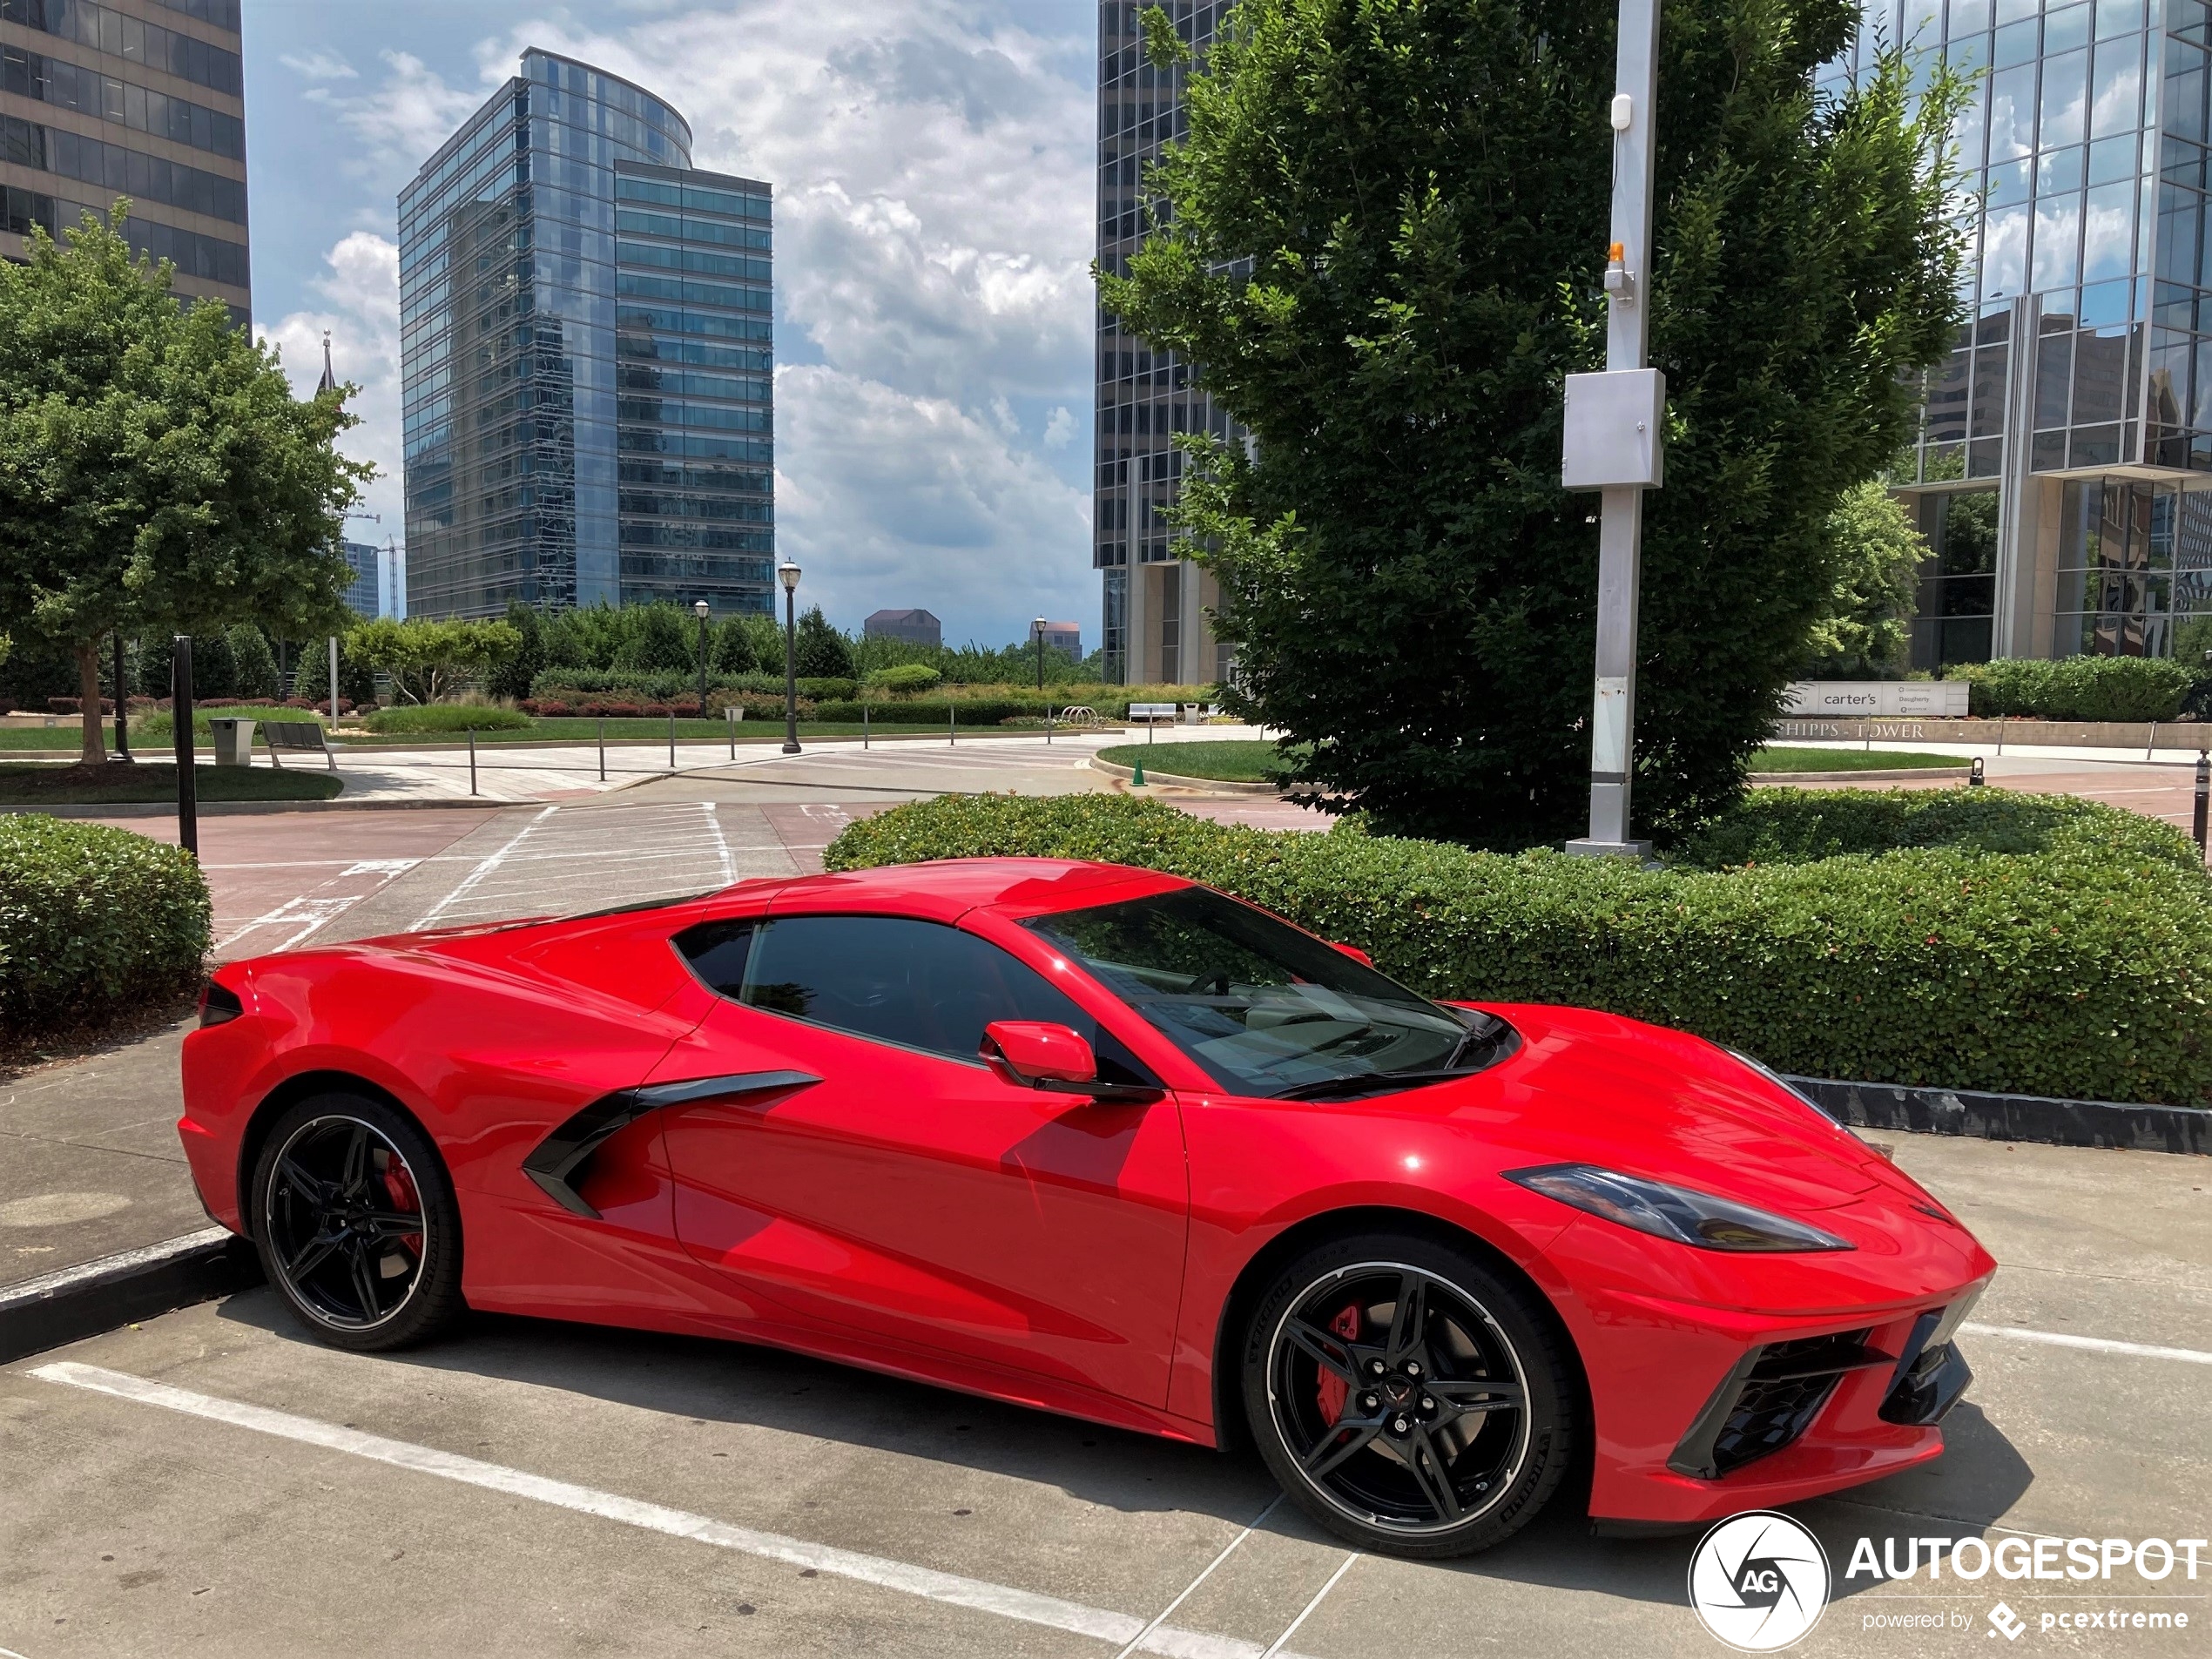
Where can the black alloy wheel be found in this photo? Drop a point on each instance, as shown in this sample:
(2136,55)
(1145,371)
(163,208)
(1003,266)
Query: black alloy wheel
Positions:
(1408,1397)
(356,1223)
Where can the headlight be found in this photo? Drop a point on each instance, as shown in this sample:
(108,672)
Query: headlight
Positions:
(1686,1217)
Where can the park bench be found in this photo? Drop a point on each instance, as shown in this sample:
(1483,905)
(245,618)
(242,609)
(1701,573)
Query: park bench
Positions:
(298,736)
(1147,713)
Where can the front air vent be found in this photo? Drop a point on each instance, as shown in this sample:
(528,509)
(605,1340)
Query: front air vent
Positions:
(1768,1399)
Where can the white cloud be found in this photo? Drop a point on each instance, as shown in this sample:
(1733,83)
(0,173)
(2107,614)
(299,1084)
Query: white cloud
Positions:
(1059,428)
(399,124)
(954,518)
(360,288)
(319,66)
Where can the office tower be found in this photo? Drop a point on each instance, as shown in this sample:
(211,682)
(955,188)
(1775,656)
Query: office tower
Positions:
(363,597)
(141,98)
(2065,443)
(586,345)
(1153,610)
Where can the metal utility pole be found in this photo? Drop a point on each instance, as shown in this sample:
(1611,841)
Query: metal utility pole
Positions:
(1615,425)
(181,720)
(121,702)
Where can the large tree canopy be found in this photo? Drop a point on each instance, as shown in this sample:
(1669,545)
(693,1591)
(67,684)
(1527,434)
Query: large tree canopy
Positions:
(1382,243)
(156,472)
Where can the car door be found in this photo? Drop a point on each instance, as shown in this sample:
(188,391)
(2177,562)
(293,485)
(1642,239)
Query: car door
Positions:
(909,1194)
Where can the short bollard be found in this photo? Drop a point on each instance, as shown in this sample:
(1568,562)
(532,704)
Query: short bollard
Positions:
(603,748)
(951,725)
(731,714)
(671,740)
(472,759)
(864,726)
(1975,779)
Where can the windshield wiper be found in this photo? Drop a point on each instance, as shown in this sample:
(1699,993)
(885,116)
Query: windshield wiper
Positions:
(1372,1083)
(1487,1034)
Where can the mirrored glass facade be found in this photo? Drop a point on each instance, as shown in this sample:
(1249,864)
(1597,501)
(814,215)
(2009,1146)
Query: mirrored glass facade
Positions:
(1154,605)
(2064,442)
(588,356)
(144,99)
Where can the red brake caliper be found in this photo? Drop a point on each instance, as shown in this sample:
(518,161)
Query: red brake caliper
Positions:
(1334,1390)
(401,1185)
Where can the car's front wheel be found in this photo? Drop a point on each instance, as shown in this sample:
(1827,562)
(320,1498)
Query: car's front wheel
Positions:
(1407,1396)
(356,1223)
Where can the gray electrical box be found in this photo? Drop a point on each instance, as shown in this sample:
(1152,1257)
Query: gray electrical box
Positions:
(1615,424)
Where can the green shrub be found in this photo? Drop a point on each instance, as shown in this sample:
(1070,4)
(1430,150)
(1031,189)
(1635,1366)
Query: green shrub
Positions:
(567,684)
(1801,826)
(2078,688)
(906,677)
(446,718)
(160,724)
(2077,967)
(92,920)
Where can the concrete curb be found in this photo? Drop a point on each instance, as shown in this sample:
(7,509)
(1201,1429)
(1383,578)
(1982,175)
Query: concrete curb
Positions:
(83,1301)
(255,808)
(1897,775)
(1210,786)
(2013,1117)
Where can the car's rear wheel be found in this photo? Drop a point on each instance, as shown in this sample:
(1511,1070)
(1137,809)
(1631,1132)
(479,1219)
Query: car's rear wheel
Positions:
(1408,1397)
(356,1223)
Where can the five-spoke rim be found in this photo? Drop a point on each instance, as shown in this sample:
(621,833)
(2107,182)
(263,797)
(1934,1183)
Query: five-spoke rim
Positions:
(345,1223)
(1398,1397)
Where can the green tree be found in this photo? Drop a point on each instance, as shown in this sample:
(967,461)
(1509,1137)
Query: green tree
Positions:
(659,639)
(429,659)
(824,653)
(511,679)
(156,471)
(1383,241)
(253,671)
(733,648)
(1864,628)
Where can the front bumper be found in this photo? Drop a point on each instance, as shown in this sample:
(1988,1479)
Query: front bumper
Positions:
(1703,1410)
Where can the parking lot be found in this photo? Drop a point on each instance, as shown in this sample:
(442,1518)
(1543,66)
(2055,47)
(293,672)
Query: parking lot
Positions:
(215,1482)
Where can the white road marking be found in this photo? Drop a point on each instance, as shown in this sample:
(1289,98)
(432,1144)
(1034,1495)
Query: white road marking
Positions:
(2094,1345)
(721,845)
(1025,1607)
(1276,1647)
(1137,1639)
(470,883)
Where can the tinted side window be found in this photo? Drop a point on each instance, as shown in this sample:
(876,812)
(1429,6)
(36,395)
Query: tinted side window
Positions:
(910,982)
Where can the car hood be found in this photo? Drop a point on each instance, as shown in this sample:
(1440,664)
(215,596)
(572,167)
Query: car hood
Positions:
(1590,1087)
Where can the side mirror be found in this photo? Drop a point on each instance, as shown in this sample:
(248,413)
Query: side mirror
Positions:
(1356,953)
(1032,1052)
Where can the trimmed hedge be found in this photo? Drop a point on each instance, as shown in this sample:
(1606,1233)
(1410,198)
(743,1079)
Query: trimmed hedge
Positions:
(575,684)
(447,718)
(160,725)
(92,920)
(2078,688)
(2076,966)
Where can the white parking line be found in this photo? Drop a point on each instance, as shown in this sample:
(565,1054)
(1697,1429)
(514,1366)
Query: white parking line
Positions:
(721,845)
(1276,1647)
(1025,1607)
(2094,1345)
(484,868)
(1161,1618)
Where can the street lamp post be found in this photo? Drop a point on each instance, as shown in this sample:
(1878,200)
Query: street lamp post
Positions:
(702,611)
(1038,628)
(788,574)
(1614,429)
(122,703)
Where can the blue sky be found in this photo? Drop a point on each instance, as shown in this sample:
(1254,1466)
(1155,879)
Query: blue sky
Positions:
(935,199)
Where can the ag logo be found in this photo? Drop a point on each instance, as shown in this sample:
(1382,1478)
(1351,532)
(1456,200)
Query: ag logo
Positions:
(1759,1582)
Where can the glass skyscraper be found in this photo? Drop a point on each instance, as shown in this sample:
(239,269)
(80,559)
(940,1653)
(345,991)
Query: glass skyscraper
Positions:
(1154,611)
(587,351)
(142,98)
(2065,443)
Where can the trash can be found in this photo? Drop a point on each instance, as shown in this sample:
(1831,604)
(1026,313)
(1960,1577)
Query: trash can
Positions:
(233,741)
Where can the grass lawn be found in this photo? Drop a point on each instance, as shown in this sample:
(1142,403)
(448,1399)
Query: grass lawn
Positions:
(1787,759)
(1246,761)
(33,783)
(583,731)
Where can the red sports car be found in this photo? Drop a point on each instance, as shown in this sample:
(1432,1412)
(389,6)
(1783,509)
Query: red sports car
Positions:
(1104,1142)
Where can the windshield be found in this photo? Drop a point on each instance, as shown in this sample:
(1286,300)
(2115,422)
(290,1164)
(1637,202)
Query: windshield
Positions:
(1265,1009)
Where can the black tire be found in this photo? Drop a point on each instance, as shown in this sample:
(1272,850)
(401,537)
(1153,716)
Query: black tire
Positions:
(338,1179)
(1438,1438)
